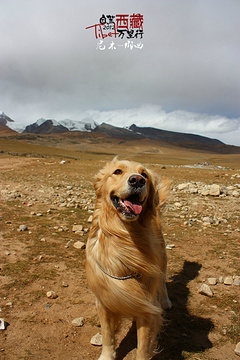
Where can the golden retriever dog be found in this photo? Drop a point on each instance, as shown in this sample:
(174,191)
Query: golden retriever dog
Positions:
(125,253)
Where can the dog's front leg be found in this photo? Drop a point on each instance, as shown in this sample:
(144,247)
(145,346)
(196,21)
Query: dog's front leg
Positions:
(108,333)
(147,330)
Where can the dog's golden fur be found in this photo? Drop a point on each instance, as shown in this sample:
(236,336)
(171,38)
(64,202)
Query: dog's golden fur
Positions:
(126,241)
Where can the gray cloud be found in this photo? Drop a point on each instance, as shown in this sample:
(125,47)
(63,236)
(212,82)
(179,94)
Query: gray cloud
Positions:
(49,64)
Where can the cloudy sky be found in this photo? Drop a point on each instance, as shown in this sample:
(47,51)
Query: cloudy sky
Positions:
(183,75)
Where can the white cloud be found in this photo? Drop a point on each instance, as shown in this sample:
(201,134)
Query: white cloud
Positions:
(220,127)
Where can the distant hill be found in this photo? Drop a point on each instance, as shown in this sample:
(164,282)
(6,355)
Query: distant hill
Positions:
(5,130)
(185,140)
(45,127)
(173,137)
(117,132)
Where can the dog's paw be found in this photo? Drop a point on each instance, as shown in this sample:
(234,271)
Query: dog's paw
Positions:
(108,356)
(104,357)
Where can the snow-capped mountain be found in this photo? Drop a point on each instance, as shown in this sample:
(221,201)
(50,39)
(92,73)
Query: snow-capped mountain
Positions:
(43,126)
(4,119)
(86,124)
(40,121)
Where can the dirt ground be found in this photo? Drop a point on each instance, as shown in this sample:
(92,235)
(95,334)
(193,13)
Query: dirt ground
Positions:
(49,197)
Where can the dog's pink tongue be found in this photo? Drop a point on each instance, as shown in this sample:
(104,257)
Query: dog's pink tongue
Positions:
(136,208)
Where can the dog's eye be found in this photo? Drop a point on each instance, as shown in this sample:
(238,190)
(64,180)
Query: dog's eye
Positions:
(118,172)
(144,174)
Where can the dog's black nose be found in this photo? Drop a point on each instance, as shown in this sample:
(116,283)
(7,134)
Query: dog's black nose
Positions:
(136,181)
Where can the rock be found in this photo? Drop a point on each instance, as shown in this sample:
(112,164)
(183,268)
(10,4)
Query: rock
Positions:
(235,193)
(64,228)
(193,190)
(64,284)
(212,281)
(96,340)
(228,280)
(206,290)
(223,191)
(230,189)
(237,349)
(214,190)
(77,228)
(10,304)
(90,218)
(78,322)
(236,281)
(182,186)
(2,324)
(220,280)
(178,204)
(23,228)
(205,192)
(51,295)
(170,246)
(207,220)
(79,245)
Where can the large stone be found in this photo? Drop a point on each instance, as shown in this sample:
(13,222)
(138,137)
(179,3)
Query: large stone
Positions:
(207,220)
(236,281)
(205,192)
(23,228)
(2,324)
(78,322)
(51,295)
(237,349)
(214,190)
(182,186)
(212,281)
(228,280)
(96,340)
(79,245)
(206,290)
(77,228)
(90,219)
(235,193)
(178,204)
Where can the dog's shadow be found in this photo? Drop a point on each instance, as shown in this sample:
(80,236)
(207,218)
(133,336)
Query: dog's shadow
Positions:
(182,332)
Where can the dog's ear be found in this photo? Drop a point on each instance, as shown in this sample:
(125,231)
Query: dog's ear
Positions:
(164,190)
(153,197)
(98,183)
(99,178)
(159,191)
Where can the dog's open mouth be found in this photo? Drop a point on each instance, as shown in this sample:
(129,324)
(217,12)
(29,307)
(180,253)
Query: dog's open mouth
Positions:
(129,207)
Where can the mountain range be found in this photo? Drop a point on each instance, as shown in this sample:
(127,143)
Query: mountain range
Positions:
(134,132)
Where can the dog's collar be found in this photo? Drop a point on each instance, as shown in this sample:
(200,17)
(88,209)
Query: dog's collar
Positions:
(131,276)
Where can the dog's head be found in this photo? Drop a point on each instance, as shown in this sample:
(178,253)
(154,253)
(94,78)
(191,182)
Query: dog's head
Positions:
(128,188)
